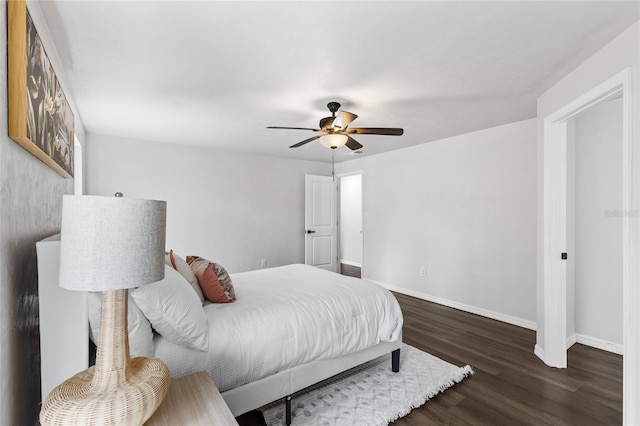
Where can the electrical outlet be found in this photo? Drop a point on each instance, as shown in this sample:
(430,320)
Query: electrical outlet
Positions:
(264,262)
(423,272)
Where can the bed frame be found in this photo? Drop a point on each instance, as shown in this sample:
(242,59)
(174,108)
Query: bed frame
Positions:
(240,399)
(284,384)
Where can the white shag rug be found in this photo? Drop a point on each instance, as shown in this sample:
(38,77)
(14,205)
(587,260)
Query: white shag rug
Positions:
(370,394)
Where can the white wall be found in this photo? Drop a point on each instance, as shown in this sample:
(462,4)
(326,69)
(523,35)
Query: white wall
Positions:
(463,208)
(235,209)
(598,223)
(351,219)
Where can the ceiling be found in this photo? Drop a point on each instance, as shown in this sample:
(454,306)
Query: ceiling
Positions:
(217,73)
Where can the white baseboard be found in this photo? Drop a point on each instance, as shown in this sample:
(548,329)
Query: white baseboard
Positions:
(572,340)
(350,263)
(539,352)
(520,322)
(594,342)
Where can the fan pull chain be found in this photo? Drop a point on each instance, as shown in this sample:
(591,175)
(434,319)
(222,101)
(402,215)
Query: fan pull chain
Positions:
(333,175)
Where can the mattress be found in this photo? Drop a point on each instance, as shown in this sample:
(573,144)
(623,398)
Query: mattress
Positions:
(284,317)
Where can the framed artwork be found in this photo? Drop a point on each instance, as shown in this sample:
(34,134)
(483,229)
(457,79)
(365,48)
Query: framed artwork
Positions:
(40,118)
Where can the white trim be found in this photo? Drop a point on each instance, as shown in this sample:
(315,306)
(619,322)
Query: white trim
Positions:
(594,342)
(555,232)
(554,237)
(604,345)
(520,322)
(350,263)
(630,264)
(352,173)
(539,352)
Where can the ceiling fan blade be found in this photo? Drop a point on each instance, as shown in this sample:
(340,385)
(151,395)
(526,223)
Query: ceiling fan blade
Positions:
(353,144)
(293,128)
(389,131)
(304,142)
(343,119)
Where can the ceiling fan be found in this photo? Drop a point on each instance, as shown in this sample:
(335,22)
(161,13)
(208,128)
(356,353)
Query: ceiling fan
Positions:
(335,132)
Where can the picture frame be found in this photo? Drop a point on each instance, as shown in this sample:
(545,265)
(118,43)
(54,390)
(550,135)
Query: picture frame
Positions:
(40,118)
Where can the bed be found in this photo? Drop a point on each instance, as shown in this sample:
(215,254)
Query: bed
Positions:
(289,328)
(309,324)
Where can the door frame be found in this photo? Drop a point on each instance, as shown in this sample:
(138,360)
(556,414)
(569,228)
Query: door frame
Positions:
(554,234)
(340,176)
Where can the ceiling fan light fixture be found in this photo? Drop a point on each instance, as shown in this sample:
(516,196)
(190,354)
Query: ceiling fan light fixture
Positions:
(334,131)
(334,140)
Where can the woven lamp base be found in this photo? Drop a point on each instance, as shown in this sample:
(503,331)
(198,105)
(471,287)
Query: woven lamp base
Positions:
(117,390)
(76,402)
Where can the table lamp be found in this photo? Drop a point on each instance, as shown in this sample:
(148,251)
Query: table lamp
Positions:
(110,244)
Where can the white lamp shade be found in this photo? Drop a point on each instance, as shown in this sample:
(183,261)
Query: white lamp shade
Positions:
(111,243)
(334,140)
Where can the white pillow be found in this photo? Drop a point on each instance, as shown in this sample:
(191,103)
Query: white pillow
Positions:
(140,333)
(181,265)
(174,310)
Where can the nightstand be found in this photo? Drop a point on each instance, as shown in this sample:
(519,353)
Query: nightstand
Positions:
(192,400)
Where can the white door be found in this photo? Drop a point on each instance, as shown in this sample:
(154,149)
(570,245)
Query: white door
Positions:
(321,222)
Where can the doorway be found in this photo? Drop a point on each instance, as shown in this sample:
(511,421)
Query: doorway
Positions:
(350,226)
(555,242)
(594,227)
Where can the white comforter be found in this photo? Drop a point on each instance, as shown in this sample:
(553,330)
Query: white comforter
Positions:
(284,317)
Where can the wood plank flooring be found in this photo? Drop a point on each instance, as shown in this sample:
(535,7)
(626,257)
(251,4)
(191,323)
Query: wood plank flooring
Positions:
(350,270)
(511,386)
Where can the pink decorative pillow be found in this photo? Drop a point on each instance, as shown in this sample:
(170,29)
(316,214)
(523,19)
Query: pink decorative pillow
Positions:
(213,279)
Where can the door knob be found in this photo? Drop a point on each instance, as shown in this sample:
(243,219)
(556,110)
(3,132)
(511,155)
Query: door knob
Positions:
(310,231)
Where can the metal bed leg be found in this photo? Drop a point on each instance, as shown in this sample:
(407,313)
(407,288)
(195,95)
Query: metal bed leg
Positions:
(288,409)
(395,361)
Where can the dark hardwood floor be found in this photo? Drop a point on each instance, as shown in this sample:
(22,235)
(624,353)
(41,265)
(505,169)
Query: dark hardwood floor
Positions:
(511,386)
(349,270)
